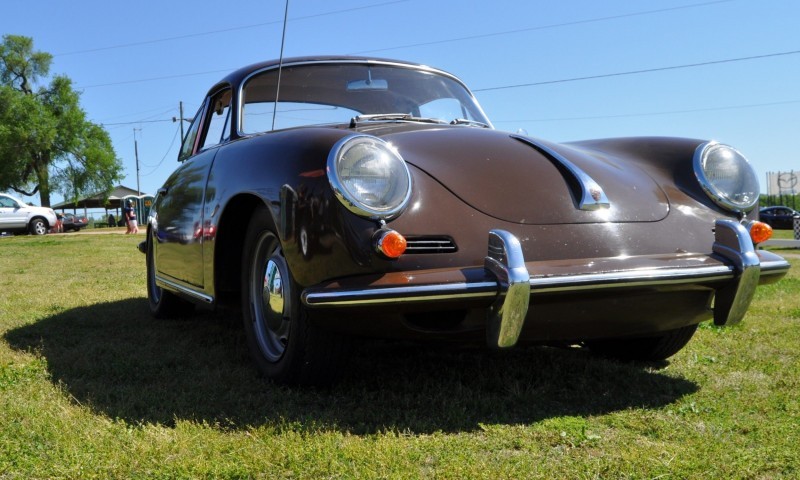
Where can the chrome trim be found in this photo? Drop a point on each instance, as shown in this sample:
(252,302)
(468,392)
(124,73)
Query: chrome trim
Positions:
(506,316)
(710,190)
(395,295)
(344,196)
(658,277)
(592,195)
(508,298)
(364,61)
(774,267)
(170,285)
(732,242)
(663,277)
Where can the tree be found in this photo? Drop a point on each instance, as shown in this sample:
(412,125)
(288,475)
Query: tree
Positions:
(46,142)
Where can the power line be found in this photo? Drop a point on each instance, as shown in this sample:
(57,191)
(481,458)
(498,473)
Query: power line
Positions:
(225,30)
(635,72)
(542,27)
(650,114)
(134,122)
(165,77)
(169,149)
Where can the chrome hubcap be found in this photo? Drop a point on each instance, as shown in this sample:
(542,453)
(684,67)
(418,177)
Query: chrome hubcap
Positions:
(272,310)
(272,296)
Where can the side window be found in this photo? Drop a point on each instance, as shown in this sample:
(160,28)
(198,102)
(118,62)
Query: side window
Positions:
(187,147)
(218,129)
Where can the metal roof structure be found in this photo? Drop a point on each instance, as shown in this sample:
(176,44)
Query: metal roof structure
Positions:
(108,201)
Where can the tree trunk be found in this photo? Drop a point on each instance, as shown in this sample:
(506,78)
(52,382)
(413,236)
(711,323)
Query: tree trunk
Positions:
(43,177)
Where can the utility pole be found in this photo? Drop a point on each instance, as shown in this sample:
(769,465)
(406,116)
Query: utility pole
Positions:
(180,109)
(136,153)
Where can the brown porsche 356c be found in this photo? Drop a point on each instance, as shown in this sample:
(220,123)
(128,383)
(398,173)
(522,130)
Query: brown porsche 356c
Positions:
(373,197)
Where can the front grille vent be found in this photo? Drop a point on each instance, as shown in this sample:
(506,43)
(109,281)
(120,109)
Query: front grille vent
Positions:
(432,244)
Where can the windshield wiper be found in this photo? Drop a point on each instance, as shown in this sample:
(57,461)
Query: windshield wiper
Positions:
(392,117)
(471,123)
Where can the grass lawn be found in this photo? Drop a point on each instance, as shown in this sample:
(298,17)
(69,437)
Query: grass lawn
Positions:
(92,387)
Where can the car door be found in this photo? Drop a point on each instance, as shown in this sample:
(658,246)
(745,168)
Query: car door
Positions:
(179,230)
(12,214)
(5,212)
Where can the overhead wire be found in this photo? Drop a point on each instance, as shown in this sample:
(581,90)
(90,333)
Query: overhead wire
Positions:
(459,39)
(158,165)
(636,72)
(231,29)
(542,27)
(650,114)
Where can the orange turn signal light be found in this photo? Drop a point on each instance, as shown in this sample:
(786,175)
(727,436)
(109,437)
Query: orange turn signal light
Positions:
(391,244)
(760,232)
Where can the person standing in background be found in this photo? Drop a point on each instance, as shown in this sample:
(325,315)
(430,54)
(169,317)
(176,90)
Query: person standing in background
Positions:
(130,218)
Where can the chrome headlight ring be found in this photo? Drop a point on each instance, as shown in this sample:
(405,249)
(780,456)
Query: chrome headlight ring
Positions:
(726,176)
(369,176)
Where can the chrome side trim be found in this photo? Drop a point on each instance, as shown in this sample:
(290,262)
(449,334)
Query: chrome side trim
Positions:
(170,285)
(732,242)
(592,195)
(507,314)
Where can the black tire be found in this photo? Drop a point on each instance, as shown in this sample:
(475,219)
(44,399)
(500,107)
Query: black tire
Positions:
(37,226)
(654,348)
(163,304)
(284,345)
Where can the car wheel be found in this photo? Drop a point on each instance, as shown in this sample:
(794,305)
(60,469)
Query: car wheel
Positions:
(163,304)
(654,348)
(285,346)
(37,227)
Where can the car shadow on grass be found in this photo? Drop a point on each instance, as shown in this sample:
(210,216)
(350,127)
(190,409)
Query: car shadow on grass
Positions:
(115,359)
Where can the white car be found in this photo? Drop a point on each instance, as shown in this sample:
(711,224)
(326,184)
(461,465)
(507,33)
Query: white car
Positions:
(16,216)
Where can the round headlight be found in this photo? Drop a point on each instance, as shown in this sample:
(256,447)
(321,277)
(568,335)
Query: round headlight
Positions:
(726,176)
(369,177)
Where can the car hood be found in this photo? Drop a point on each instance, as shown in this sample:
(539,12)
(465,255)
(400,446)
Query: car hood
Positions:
(522,180)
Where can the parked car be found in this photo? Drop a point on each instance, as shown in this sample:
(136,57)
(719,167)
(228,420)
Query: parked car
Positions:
(18,217)
(374,198)
(778,217)
(70,221)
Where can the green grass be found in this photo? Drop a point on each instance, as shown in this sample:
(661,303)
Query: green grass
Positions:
(92,387)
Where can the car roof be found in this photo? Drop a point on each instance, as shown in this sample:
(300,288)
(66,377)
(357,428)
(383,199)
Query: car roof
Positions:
(238,76)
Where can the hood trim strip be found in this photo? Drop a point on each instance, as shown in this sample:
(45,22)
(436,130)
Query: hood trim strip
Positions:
(591,196)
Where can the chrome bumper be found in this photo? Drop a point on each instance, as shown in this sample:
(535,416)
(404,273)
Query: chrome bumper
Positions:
(507,286)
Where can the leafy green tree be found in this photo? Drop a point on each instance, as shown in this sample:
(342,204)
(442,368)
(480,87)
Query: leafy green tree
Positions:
(46,142)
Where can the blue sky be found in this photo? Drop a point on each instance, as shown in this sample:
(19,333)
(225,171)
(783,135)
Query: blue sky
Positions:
(727,70)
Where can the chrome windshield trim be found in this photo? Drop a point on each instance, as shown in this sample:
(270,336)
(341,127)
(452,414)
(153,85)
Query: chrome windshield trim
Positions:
(361,61)
(163,282)
(592,195)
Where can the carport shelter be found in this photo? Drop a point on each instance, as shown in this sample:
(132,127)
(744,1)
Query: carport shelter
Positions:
(111,201)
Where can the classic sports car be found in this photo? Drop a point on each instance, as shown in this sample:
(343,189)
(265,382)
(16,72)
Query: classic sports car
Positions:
(338,196)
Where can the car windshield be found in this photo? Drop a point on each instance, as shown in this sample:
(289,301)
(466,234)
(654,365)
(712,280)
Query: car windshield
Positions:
(326,93)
